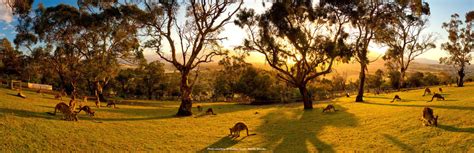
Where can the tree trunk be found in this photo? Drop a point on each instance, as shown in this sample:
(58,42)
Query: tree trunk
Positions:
(307,101)
(99,93)
(90,86)
(402,79)
(360,93)
(461,77)
(186,101)
(150,93)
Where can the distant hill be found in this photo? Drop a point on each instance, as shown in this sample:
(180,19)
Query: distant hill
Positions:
(352,69)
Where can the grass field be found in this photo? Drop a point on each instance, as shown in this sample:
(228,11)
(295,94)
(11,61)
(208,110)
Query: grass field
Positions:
(375,125)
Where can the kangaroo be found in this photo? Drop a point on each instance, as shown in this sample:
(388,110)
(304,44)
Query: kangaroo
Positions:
(58,96)
(347,94)
(437,96)
(427,90)
(72,104)
(210,111)
(240,126)
(110,103)
(396,98)
(440,90)
(21,95)
(88,110)
(69,115)
(428,117)
(199,108)
(328,108)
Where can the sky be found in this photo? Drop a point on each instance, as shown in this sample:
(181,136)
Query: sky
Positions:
(441,10)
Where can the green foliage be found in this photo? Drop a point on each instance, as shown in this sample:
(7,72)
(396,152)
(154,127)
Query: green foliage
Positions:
(431,79)
(376,80)
(256,84)
(394,77)
(415,79)
(227,78)
(12,61)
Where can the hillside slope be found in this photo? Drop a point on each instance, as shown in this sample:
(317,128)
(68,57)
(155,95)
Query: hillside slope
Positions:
(376,125)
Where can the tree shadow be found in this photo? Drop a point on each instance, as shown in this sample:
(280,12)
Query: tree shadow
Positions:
(399,143)
(376,97)
(16,95)
(442,107)
(145,103)
(26,114)
(133,119)
(455,129)
(293,131)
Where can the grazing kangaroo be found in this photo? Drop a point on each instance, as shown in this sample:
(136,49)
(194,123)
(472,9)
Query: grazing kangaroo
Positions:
(427,90)
(396,98)
(440,89)
(329,108)
(428,117)
(437,96)
(69,115)
(58,96)
(199,108)
(240,126)
(347,94)
(110,103)
(87,109)
(210,111)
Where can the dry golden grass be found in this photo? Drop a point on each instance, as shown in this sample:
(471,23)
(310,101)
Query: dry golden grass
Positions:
(376,125)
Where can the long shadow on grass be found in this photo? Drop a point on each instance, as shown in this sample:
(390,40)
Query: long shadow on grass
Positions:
(25,113)
(375,97)
(399,143)
(443,107)
(169,112)
(224,142)
(455,129)
(295,130)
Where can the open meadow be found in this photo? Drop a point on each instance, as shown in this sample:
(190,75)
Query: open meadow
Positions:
(375,124)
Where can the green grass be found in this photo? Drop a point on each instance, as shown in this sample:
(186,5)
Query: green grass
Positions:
(376,125)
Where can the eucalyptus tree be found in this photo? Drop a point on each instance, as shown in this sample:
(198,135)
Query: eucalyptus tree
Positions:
(59,29)
(459,46)
(367,18)
(109,36)
(300,42)
(11,60)
(186,34)
(405,36)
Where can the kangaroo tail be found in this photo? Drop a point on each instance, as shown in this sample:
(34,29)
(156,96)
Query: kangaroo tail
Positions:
(51,113)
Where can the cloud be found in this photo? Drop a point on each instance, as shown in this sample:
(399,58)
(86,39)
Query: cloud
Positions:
(2,35)
(5,12)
